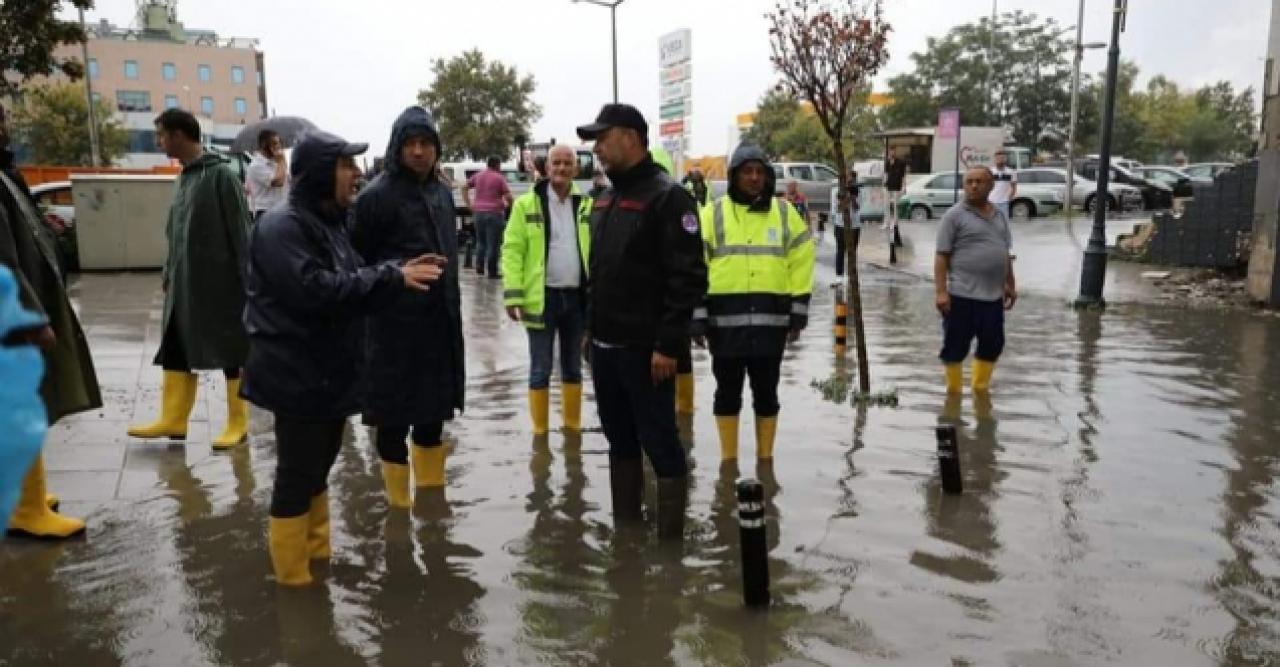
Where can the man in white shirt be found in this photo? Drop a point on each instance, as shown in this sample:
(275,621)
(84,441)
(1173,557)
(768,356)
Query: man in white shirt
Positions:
(1006,183)
(268,174)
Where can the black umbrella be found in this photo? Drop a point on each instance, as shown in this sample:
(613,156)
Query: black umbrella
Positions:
(290,129)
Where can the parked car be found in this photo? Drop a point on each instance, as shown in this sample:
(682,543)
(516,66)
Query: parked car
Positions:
(814,179)
(1208,170)
(1120,197)
(59,212)
(1179,181)
(1155,196)
(1118,160)
(932,195)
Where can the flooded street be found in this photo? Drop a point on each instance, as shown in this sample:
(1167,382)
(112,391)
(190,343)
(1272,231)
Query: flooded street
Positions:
(1120,507)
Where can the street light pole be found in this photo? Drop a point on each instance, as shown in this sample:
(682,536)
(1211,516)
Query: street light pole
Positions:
(1075,111)
(613,21)
(95,153)
(1095,254)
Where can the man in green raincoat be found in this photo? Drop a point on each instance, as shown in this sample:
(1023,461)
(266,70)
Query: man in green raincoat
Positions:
(70,384)
(203,277)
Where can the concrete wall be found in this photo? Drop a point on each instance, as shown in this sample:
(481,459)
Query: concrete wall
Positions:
(1263,268)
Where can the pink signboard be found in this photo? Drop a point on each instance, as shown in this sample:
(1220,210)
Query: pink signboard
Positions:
(948,123)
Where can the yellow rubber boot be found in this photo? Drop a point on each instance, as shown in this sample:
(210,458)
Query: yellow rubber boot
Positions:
(287,541)
(32,516)
(766,431)
(237,418)
(318,547)
(728,428)
(982,371)
(955,378)
(428,465)
(571,405)
(540,409)
(395,476)
(178,396)
(684,393)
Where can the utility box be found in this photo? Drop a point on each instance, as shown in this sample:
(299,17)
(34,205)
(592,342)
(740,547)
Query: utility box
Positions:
(120,220)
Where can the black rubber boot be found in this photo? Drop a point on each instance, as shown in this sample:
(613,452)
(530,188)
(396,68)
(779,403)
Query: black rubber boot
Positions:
(626,485)
(673,494)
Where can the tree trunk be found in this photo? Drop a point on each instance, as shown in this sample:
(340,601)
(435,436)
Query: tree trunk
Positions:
(851,237)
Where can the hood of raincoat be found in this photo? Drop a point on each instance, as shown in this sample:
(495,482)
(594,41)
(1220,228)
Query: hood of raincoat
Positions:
(315,160)
(413,121)
(743,154)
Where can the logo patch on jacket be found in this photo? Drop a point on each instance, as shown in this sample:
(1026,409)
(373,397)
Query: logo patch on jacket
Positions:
(773,235)
(690,223)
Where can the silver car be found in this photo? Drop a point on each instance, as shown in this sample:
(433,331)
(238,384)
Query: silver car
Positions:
(930,196)
(1083,191)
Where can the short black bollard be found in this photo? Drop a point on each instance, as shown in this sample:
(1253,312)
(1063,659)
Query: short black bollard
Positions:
(755,548)
(949,459)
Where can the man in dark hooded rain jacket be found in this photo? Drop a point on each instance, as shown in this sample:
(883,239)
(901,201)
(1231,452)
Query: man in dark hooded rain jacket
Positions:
(69,384)
(307,295)
(415,372)
(203,284)
(760,268)
(647,275)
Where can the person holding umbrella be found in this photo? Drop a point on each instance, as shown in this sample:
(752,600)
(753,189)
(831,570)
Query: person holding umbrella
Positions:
(307,295)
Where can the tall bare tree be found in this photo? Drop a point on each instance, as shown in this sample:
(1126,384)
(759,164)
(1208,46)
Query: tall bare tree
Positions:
(827,52)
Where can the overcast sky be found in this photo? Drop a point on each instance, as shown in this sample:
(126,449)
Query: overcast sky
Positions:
(352,66)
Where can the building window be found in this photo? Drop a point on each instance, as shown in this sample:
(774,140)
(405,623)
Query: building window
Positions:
(133,100)
(93,68)
(237,74)
(130,69)
(170,71)
(206,72)
(206,106)
(171,101)
(242,107)
(142,141)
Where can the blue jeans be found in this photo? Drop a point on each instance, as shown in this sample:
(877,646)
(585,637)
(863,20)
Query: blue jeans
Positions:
(489,229)
(638,416)
(1003,208)
(562,316)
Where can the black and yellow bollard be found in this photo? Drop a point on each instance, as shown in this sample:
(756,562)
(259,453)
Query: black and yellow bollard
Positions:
(753,543)
(841,327)
(949,459)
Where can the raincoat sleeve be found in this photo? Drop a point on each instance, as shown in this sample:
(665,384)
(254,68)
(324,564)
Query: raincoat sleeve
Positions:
(514,247)
(235,215)
(684,270)
(290,262)
(701,319)
(800,257)
(9,229)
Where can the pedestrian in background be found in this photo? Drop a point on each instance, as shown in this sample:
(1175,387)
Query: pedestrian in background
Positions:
(895,176)
(973,281)
(545,255)
(647,274)
(416,374)
(797,200)
(203,283)
(493,196)
(1006,183)
(307,294)
(839,196)
(696,184)
(598,184)
(268,174)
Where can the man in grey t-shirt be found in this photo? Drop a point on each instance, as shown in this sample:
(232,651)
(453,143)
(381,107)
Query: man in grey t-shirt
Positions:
(973,281)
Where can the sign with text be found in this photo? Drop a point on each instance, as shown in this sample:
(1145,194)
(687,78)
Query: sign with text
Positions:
(674,48)
(669,128)
(675,74)
(679,109)
(948,123)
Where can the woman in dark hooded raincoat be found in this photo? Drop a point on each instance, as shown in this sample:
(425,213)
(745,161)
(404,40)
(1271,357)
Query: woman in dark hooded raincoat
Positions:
(415,371)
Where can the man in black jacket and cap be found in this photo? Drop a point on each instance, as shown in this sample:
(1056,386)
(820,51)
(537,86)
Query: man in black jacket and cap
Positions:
(647,275)
(307,295)
(416,374)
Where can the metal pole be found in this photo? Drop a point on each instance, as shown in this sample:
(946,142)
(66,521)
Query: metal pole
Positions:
(1095,254)
(753,543)
(955,193)
(1075,111)
(613,18)
(95,153)
(991,65)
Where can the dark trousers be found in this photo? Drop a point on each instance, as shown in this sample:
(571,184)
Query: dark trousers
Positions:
(637,415)
(972,318)
(562,317)
(305,451)
(684,362)
(489,230)
(173,357)
(391,444)
(840,251)
(730,372)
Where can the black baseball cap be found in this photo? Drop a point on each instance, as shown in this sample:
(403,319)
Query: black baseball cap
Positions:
(615,115)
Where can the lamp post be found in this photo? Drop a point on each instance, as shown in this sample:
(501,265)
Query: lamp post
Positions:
(95,153)
(1079,48)
(1095,254)
(613,19)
